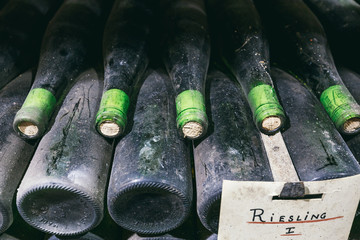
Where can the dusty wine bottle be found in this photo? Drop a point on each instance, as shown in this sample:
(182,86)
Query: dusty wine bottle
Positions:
(22,23)
(243,47)
(125,55)
(352,82)
(69,41)
(341,23)
(299,43)
(150,188)
(186,57)
(15,153)
(316,148)
(62,192)
(233,150)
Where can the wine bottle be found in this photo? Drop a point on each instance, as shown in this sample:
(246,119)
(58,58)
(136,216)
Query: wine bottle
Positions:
(186,57)
(341,23)
(15,153)
(22,23)
(352,82)
(298,43)
(150,188)
(316,148)
(62,192)
(67,48)
(125,55)
(233,150)
(243,48)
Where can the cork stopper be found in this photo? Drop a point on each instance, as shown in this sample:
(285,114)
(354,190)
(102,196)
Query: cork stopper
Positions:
(192,130)
(352,125)
(271,123)
(28,128)
(109,129)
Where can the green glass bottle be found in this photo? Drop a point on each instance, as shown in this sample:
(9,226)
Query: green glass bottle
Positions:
(232,150)
(125,53)
(186,57)
(63,189)
(242,46)
(69,45)
(298,43)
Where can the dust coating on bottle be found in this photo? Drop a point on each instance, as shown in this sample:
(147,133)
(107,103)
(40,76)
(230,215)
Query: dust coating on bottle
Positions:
(317,150)
(211,212)
(191,114)
(31,120)
(144,198)
(268,114)
(233,150)
(5,218)
(111,118)
(51,208)
(342,109)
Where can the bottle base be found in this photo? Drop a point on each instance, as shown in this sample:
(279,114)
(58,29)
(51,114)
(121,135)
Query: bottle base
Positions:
(209,213)
(149,208)
(58,209)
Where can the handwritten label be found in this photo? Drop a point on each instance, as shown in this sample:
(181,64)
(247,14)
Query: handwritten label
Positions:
(253,210)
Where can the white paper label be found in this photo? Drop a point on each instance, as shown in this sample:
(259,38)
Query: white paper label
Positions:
(248,210)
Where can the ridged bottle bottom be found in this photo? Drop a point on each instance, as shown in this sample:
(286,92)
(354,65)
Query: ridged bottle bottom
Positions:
(209,212)
(5,218)
(59,210)
(149,208)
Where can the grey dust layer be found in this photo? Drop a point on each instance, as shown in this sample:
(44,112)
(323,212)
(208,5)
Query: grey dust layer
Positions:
(316,148)
(150,188)
(15,153)
(69,46)
(231,150)
(63,189)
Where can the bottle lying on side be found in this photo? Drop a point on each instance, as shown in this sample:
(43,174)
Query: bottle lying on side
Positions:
(298,42)
(22,24)
(15,153)
(231,150)
(316,148)
(150,188)
(243,48)
(341,23)
(67,49)
(125,52)
(62,192)
(352,81)
(186,57)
